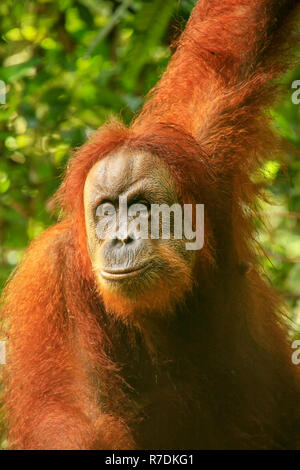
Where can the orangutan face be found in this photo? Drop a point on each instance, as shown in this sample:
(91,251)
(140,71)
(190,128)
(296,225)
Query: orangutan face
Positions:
(136,266)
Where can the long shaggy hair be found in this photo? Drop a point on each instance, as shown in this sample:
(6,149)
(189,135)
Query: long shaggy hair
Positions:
(217,373)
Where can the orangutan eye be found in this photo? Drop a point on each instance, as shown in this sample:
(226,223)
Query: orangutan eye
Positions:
(141,202)
(145,203)
(106,208)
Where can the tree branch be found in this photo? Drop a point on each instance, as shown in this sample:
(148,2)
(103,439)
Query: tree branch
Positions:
(117,16)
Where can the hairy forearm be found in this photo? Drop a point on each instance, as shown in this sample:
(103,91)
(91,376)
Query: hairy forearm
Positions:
(234,34)
(226,45)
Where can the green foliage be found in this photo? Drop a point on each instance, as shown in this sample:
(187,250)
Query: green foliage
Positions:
(68,65)
(281,240)
(57,93)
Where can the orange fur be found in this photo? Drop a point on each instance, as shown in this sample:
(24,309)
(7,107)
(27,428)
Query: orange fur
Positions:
(217,373)
(160,299)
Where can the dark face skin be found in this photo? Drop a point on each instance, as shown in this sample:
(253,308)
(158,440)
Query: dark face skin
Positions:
(130,267)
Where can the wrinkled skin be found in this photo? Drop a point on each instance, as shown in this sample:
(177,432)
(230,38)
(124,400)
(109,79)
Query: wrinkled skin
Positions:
(93,361)
(130,268)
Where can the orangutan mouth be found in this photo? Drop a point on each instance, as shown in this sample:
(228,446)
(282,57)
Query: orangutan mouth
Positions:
(116,274)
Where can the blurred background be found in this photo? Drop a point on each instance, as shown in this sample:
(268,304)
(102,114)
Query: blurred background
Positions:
(66,66)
